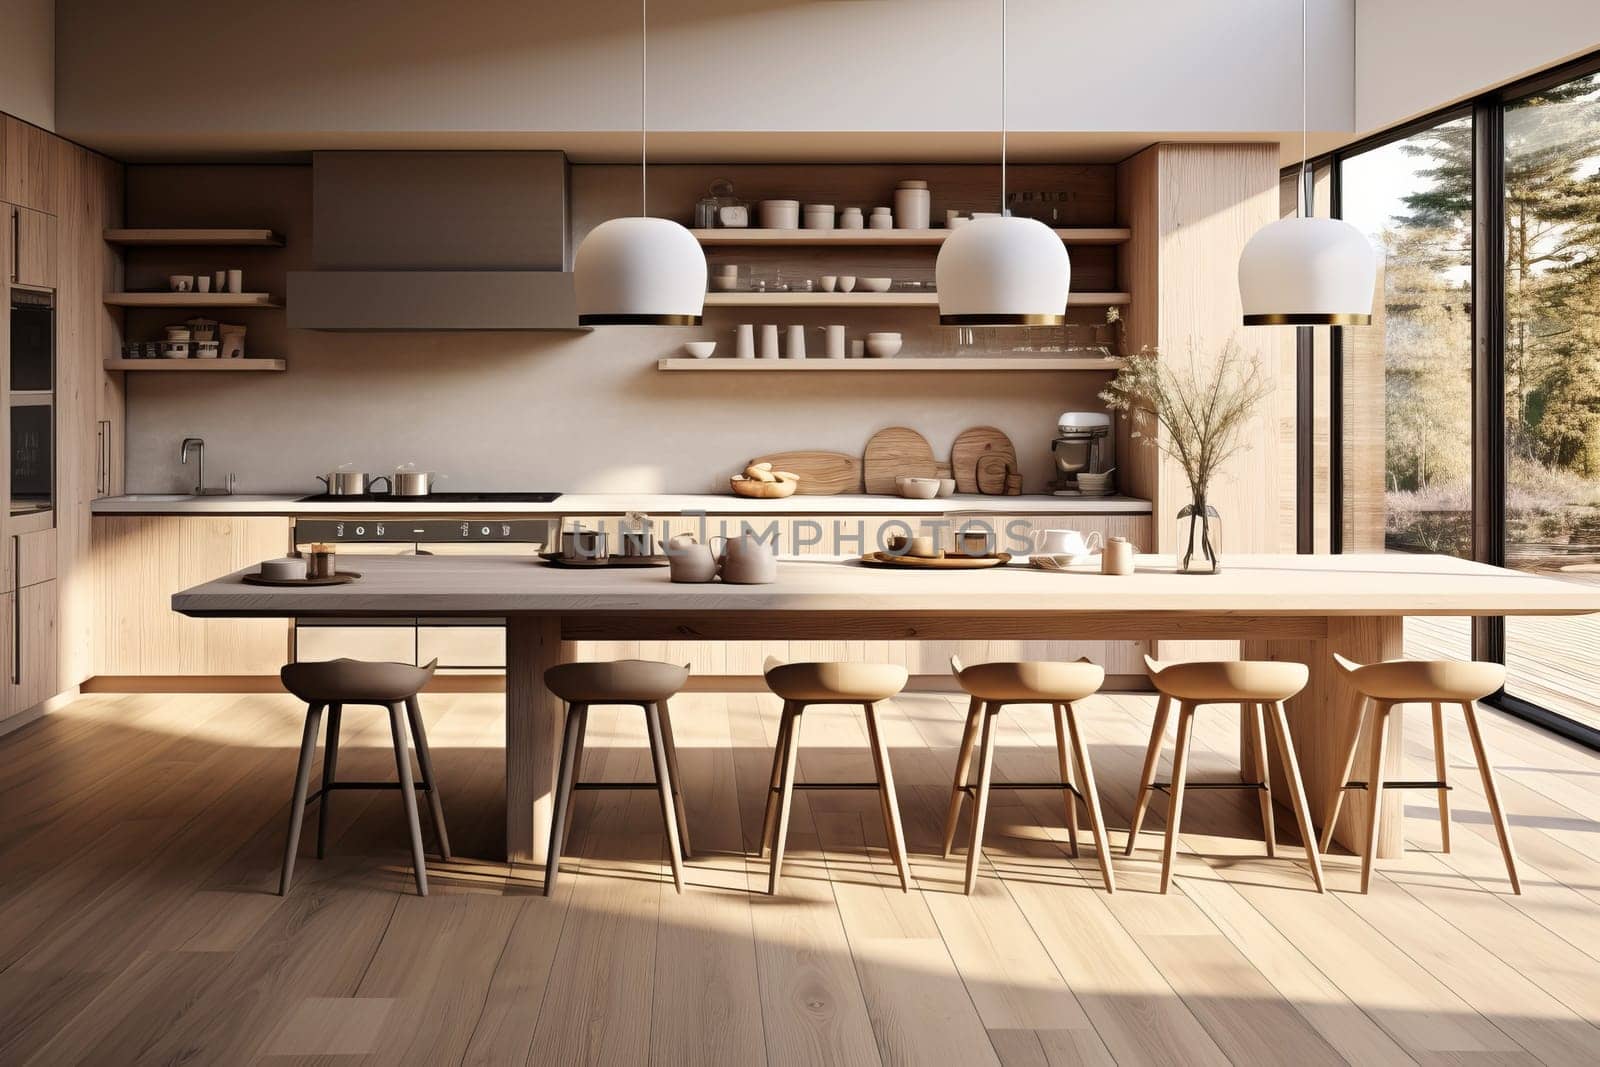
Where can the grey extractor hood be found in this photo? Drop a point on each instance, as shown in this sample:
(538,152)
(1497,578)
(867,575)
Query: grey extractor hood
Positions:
(437,241)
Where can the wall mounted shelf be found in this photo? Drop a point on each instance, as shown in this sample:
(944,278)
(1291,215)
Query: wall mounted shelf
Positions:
(190,300)
(151,237)
(876,300)
(254,363)
(904,364)
(1083,235)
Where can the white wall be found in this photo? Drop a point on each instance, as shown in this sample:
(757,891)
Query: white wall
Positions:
(293,74)
(1416,56)
(28,60)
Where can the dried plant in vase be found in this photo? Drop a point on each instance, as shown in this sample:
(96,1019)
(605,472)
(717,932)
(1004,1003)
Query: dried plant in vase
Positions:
(1194,410)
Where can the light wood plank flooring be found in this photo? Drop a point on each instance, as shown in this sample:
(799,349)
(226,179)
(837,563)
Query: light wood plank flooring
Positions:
(139,840)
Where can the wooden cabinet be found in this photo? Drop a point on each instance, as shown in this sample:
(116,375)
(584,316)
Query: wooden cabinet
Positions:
(30,636)
(28,175)
(31,236)
(141,561)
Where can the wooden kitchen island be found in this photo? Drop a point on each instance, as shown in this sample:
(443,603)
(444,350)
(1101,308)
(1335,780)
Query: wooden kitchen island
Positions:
(1300,608)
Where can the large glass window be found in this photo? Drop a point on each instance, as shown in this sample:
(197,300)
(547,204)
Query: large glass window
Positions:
(1407,378)
(1552,383)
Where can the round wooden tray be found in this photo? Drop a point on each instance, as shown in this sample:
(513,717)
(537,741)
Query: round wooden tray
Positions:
(950,562)
(338,579)
(555,559)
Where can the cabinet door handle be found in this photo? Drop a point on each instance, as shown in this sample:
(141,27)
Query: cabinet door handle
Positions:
(16,244)
(102,483)
(16,610)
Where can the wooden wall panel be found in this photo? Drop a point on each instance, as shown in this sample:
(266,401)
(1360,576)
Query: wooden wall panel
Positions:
(29,177)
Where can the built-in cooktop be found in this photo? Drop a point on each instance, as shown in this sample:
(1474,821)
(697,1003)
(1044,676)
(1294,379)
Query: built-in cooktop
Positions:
(431,498)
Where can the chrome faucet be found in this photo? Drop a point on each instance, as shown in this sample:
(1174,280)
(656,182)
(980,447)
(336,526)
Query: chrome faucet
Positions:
(199,446)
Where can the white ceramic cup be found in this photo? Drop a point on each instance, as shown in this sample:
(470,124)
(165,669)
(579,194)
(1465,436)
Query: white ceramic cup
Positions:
(833,347)
(1066,542)
(795,346)
(744,341)
(202,284)
(828,282)
(847,283)
(858,347)
(769,341)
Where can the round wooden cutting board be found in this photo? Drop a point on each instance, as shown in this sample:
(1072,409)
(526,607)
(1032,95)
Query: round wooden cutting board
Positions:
(896,453)
(821,473)
(972,445)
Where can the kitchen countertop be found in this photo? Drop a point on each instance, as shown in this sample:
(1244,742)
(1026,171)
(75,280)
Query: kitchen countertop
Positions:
(620,503)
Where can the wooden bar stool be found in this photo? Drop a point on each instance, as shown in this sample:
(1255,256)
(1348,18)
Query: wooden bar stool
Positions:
(1382,687)
(641,683)
(993,686)
(802,685)
(1259,688)
(332,685)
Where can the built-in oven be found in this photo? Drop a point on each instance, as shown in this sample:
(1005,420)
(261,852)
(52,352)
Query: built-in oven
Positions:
(31,380)
(461,646)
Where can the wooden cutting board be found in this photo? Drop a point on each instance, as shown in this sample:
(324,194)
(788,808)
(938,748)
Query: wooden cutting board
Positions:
(992,472)
(821,473)
(972,445)
(896,453)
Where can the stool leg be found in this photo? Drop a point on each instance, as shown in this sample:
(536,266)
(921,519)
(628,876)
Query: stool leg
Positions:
(1180,767)
(1256,716)
(297,809)
(566,779)
(1297,792)
(958,793)
(419,737)
(1441,770)
(580,723)
(1379,743)
(677,782)
(666,787)
(887,799)
(1491,794)
(1091,798)
(1059,714)
(1147,777)
(980,800)
(330,764)
(408,795)
(780,752)
(1342,783)
(780,827)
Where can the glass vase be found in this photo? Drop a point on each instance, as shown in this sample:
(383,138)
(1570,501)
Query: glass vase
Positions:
(1199,540)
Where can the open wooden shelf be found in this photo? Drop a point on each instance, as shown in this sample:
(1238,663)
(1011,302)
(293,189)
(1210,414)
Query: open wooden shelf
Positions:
(1082,235)
(876,300)
(912,364)
(190,300)
(193,237)
(256,363)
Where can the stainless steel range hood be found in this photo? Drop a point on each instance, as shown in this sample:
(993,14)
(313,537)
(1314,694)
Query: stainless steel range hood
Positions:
(437,241)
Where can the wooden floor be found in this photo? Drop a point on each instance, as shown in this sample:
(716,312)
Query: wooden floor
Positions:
(139,849)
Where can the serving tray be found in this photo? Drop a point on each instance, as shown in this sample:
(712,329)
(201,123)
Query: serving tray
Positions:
(340,578)
(944,562)
(556,559)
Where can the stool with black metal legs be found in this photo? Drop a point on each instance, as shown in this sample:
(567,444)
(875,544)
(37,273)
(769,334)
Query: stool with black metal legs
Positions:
(1260,689)
(332,685)
(1382,687)
(993,686)
(645,684)
(802,685)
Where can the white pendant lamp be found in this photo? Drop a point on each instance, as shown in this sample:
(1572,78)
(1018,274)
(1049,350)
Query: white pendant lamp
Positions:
(640,271)
(1307,271)
(1002,271)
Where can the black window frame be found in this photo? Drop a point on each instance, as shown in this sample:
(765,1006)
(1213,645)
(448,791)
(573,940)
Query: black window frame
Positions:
(1487,112)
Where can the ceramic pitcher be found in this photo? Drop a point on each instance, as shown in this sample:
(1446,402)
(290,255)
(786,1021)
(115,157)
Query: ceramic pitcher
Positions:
(748,560)
(690,561)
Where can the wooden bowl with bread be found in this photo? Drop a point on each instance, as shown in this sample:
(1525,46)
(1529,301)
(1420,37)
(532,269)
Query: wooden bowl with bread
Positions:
(761,482)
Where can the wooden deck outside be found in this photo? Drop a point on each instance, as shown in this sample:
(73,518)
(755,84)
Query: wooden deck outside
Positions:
(140,846)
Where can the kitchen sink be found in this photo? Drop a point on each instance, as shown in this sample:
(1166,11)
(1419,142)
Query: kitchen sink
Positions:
(173,498)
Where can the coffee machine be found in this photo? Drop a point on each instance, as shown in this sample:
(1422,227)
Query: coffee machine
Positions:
(1079,449)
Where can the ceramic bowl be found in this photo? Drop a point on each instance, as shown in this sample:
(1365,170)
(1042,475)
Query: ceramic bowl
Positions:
(883,345)
(828,282)
(947,487)
(847,283)
(875,285)
(918,488)
(699,349)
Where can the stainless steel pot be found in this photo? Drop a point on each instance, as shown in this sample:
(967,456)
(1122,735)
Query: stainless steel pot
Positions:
(412,483)
(344,483)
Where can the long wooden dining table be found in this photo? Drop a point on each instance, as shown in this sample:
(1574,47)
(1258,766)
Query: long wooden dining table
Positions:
(1301,608)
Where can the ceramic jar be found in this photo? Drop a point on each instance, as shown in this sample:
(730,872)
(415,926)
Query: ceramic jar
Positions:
(912,204)
(850,218)
(748,560)
(1117,558)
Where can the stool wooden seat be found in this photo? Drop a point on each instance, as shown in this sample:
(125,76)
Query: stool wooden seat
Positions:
(1259,688)
(331,685)
(645,684)
(802,685)
(994,685)
(1383,686)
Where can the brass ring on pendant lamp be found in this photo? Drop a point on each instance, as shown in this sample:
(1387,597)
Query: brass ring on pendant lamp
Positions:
(1296,319)
(1002,320)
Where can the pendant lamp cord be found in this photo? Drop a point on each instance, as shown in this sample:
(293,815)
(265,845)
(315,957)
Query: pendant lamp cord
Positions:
(1003,43)
(644,106)
(1302,197)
